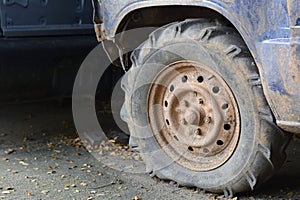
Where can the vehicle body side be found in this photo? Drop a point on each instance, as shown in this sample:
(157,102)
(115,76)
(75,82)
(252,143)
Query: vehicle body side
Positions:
(45,18)
(42,44)
(270,29)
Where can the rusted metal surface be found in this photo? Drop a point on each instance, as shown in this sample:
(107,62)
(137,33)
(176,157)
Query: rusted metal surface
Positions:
(100,34)
(194,115)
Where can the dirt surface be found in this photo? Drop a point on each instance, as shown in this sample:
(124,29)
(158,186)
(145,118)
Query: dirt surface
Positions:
(41,157)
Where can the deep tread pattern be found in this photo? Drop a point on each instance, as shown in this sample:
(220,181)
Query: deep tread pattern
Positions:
(254,80)
(206,33)
(265,115)
(270,144)
(228,193)
(173,183)
(266,152)
(177,31)
(152,174)
(251,179)
(233,50)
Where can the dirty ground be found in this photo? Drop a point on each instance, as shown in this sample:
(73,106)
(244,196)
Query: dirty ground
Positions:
(41,157)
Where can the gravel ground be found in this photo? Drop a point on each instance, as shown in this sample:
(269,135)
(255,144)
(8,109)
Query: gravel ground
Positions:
(43,158)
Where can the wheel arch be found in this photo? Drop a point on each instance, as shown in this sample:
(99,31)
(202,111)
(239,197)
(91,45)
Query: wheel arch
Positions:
(204,9)
(218,10)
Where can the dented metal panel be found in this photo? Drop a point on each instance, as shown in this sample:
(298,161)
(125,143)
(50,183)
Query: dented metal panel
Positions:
(281,80)
(281,72)
(44,17)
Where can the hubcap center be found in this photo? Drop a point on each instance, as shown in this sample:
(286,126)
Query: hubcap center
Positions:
(192,117)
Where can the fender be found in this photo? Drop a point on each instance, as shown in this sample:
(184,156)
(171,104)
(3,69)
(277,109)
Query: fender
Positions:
(266,28)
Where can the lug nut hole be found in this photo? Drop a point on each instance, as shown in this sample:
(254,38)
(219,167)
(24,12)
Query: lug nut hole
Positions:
(167,121)
(225,106)
(172,88)
(200,79)
(205,150)
(184,79)
(220,142)
(166,103)
(190,148)
(176,138)
(227,127)
(216,89)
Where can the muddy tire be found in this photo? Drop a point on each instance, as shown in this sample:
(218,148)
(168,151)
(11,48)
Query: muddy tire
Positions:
(196,51)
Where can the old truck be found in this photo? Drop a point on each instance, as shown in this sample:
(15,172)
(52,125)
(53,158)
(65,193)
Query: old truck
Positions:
(212,93)
(42,44)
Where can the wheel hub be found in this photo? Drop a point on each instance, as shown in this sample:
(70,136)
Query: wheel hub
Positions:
(193,115)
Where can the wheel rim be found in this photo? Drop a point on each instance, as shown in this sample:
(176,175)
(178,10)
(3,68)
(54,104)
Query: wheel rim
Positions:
(193,115)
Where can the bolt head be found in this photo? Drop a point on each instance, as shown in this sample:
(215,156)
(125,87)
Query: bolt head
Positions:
(191,117)
(183,122)
(184,103)
(197,132)
(207,120)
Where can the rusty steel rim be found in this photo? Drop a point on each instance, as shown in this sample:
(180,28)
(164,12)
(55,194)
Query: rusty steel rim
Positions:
(193,115)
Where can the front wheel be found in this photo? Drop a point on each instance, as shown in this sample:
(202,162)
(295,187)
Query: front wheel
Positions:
(196,109)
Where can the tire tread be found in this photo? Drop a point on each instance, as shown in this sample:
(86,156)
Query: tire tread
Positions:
(237,50)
